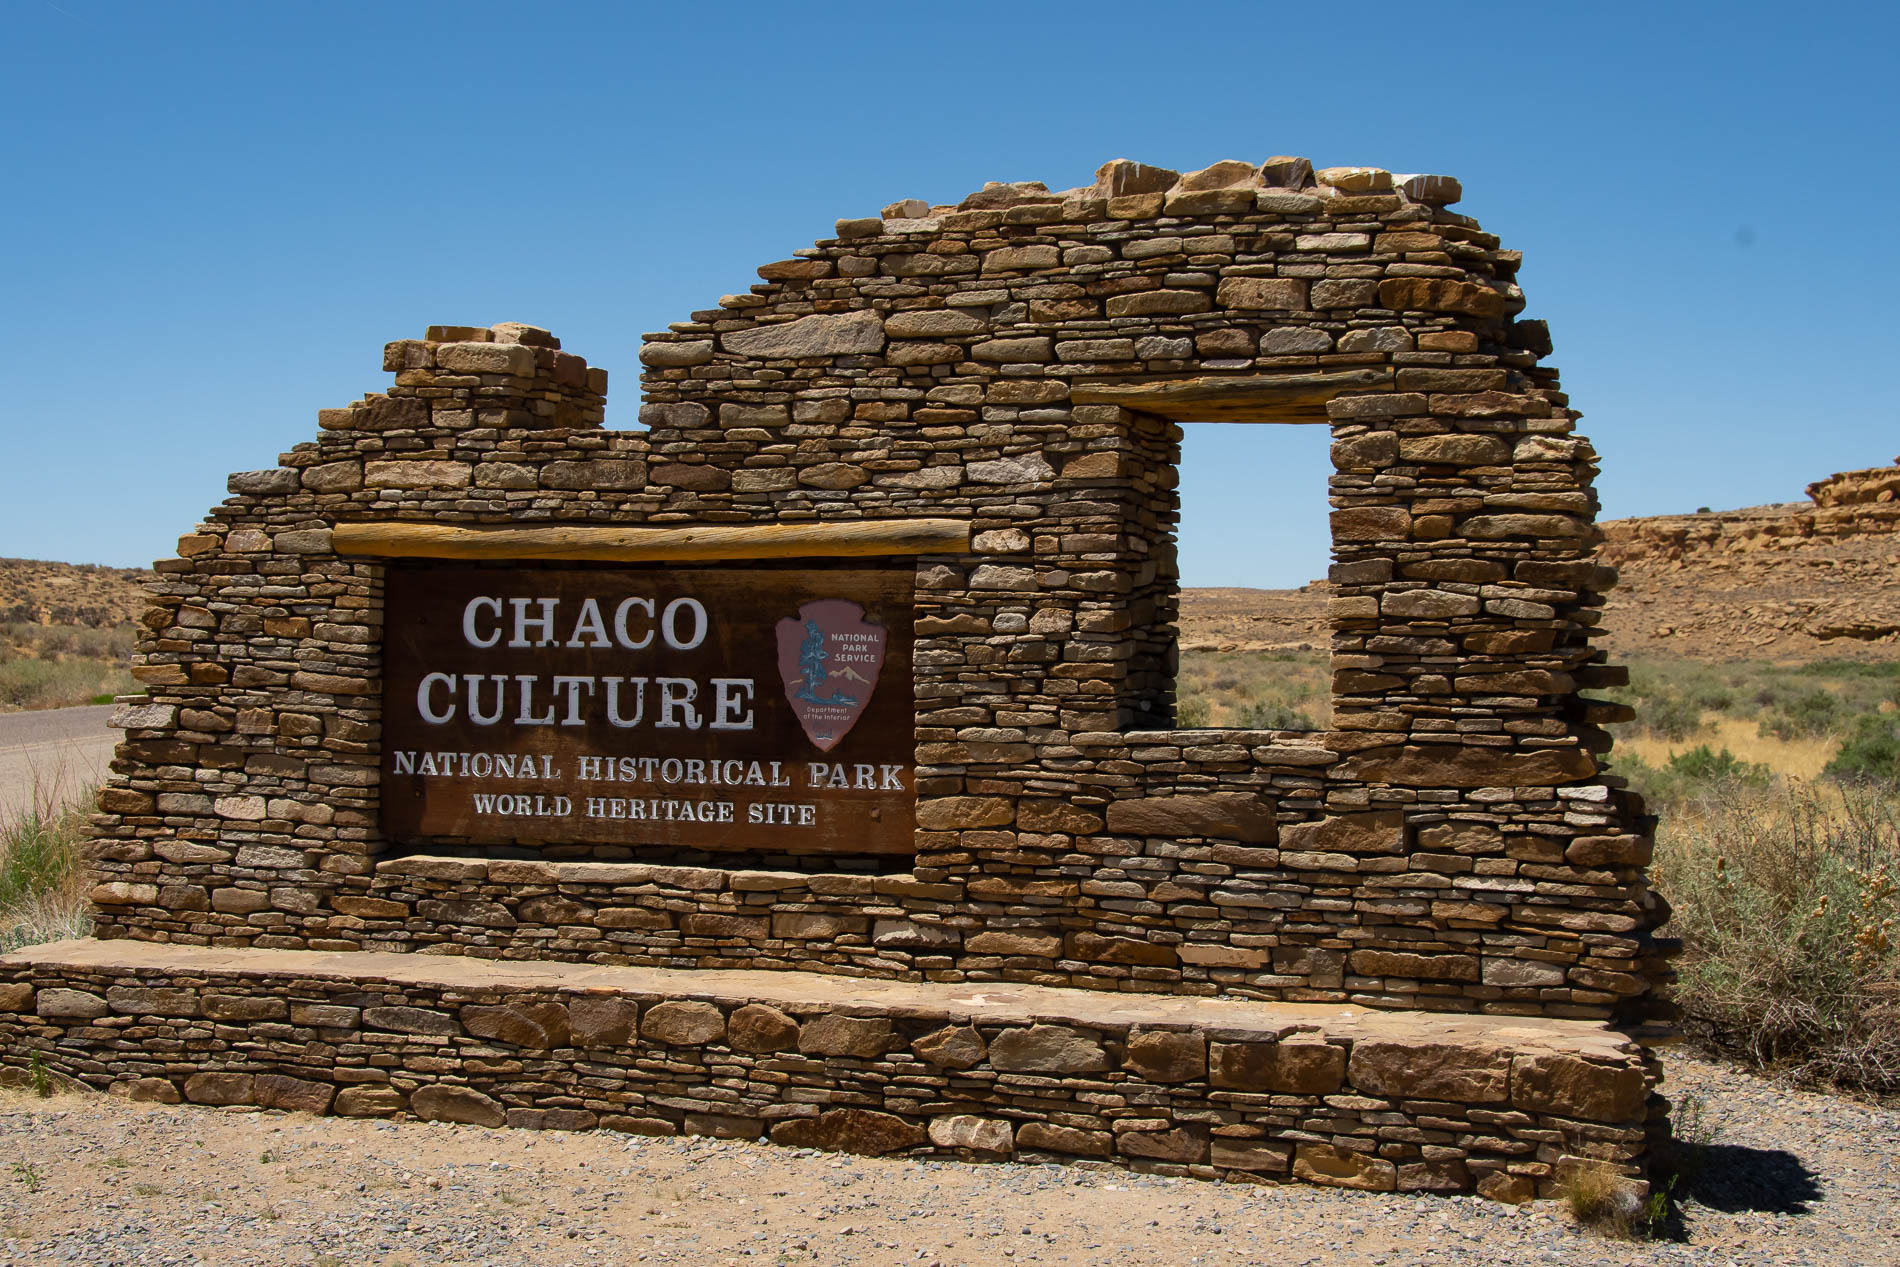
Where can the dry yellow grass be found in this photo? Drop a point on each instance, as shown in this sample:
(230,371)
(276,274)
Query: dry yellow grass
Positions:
(1798,758)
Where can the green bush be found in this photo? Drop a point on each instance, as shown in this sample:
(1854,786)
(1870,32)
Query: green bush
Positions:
(1701,765)
(1871,751)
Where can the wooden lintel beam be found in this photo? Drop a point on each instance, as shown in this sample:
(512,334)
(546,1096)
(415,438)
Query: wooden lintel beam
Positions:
(1252,398)
(698,543)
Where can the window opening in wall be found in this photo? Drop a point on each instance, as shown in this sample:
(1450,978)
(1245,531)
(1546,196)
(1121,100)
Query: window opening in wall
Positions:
(1253,550)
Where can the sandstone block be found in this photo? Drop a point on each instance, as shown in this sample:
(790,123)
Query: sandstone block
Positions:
(603,474)
(334,477)
(1181,1144)
(1520,973)
(1017,941)
(953,1047)
(1293,1066)
(1238,816)
(1372,523)
(978,1134)
(837,1035)
(1453,765)
(934,323)
(1511,1189)
(1455,450)
(456,1104)
(416,475)
(369,1101)
(411,1020)
(1382,831)
(737,415)
(1151,303)
(1165,1056)
(676,355)
(696,476)
(1029,468)
(534,1025)
(1355,180)
(235,901)
(276,1091)
(602,1021)
(904,934)
(684,1023)
(1047,1049)
(243,808)
(151,1001)
(1226,174)
(864,1131)
(1338,1168)
(221,1088)
(1440,294)
(152,1091)
(1057,816)
(964,813)
(244,1007)
(1436,191)
(276,482)
(325,1015)
(1387,963)
(370,907)
(819,335)
(1428,604)
(16,996)
(757,1027)
(1020,259)
(1429,1069)
(1569,1086)
(486,358)
(1284,294)
(1047,1137)
(1122,177)
(121,893)
(1254,1156)
(1610,851)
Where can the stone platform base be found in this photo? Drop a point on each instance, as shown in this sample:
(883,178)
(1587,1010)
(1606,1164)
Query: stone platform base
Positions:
(1209,1087)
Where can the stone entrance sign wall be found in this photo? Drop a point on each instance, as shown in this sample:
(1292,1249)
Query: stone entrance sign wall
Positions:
(980,404)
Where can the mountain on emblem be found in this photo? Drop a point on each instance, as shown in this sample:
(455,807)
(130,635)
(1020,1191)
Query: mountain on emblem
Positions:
(829,658)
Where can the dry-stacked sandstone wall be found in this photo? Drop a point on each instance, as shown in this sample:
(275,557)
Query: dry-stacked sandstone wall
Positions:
(1021,361)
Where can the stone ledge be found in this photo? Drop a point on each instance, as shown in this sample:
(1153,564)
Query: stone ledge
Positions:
(1212,1087)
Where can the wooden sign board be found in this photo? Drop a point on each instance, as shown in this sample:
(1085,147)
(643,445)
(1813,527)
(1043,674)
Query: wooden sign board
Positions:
(716,708)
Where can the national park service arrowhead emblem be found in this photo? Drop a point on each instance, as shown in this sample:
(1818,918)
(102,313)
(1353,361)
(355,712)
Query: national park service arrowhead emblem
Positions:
(829,657)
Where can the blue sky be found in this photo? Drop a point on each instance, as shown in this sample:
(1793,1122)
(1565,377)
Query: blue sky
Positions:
(216,214)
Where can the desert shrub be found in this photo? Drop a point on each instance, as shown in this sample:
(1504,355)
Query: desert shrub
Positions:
(1871,751)
(1807,715)
(1273,715)
(1192,711)
(1702,765)
(42,876)
(1669,715)
(1785,899)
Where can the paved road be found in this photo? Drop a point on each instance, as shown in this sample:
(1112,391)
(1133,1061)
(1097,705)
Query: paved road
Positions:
(52,756)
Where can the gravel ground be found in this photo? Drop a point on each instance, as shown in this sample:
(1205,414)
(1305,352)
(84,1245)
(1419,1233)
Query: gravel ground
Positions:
(1790,1178)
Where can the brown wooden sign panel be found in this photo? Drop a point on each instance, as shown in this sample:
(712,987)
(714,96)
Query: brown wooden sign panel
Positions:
(716,708)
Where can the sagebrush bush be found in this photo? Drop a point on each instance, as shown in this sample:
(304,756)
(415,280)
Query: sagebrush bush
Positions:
(1786,898)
